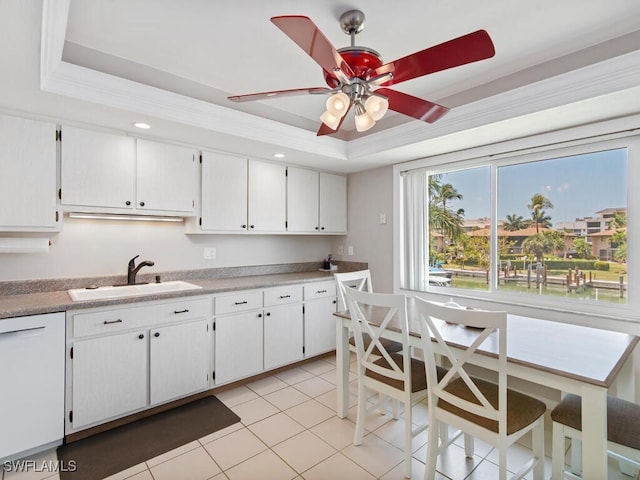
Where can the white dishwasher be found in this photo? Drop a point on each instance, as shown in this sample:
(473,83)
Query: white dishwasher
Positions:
(31,384)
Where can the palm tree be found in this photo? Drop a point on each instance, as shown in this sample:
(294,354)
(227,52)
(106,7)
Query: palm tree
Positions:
(448,192)
(541,243)
(538,203)
(442,218)
(514,222)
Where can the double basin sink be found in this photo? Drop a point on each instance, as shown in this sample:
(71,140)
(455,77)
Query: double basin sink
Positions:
(119,291)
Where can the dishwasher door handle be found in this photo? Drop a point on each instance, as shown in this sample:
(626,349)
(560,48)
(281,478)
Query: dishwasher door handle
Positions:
(24,332)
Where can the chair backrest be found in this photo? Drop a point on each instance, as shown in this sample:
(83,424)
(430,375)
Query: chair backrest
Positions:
(383,310)
(482,326)
(360,280)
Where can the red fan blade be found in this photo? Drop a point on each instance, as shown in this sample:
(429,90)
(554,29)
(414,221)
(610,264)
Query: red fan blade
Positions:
(459,51)
(308,36)
(277,93)
(326,130)
(412,106)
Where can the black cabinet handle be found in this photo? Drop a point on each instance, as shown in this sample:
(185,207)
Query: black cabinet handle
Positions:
(285,296)
(109,322)
(127,203)
(186,310)
(317,228)
(268,314)
(157,334)
(141,336)
(241,303)
(259,315)
(252,226)
(244,226)
(142,204)
(321,291)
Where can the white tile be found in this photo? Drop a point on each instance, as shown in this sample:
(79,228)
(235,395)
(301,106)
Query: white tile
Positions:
(294,375)
(337,432)
(146,475)
(275,429)
(267,385)
(254,410)
(286,398)
(221,433)
(452,462)
(393,432)
(264,466)
(235,448)
(304,451)
(310,413)
(332,376)
(236,396)
(318,367)
(152,462)
(328,469)
(330,399)
(374,455)
(314,386)
(417,472)
(374,420)
(193,465)
(220,476)
(130,472)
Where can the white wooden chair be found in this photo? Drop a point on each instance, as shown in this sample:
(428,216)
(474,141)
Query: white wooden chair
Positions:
(360,280)
(480,409)
(395,375)
(623,434)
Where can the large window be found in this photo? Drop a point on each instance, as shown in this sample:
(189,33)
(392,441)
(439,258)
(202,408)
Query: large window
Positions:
(545,228)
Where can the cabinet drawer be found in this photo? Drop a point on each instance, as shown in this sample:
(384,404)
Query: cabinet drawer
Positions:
(319,290)
(281,296)
(98,322)
(238,302)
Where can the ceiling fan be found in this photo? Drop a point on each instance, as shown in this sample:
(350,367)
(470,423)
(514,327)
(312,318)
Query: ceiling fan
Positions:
(357,77)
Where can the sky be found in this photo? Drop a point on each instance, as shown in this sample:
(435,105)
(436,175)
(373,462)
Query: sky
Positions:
(578,186)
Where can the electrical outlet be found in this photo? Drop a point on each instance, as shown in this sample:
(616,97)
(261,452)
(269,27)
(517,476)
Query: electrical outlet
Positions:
(350,250)
(210,253)
(383,218)
(340,250)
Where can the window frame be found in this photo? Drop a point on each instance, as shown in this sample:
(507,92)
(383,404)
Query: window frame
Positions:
(570,142)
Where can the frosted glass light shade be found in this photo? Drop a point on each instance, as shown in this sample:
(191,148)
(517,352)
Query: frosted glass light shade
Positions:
(330,120)
(337,104)
(376,106)
(363,120)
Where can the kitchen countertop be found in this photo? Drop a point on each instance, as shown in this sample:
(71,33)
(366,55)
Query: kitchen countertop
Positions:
(59,301)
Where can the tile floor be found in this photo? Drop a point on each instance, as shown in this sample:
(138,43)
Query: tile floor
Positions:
(289,430)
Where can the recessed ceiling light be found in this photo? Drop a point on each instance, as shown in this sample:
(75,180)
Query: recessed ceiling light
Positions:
(142,125)
(278,155)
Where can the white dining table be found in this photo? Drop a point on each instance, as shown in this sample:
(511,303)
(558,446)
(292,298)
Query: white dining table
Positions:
(570,358)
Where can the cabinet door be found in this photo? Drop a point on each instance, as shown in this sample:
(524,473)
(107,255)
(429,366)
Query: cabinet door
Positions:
(333,203)
(28,180)
(97,169)
(166,177)
(238,346)
(282,335)
(224,192)
(302,200)
(267,196)
(109,377)
(178,360)
(319,326)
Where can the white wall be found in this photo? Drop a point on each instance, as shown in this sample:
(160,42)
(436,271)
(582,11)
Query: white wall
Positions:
(103,247)
(369,194)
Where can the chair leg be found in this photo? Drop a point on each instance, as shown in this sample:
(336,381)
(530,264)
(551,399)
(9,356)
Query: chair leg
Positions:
(432,448)
(537,440)
(361,417)
(469,445)
(395,409)
(502,462)
(408,428)
(558,452)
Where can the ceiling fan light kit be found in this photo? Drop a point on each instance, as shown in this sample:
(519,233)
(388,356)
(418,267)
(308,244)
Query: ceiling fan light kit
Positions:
(357,77)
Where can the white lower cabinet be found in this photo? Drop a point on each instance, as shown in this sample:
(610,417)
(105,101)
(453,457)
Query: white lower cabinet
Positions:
(178,360)
(124,360)
(282,335)
(319,322)
(238,346)
(109,377)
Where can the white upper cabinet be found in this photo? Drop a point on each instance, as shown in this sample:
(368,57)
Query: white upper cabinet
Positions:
(267,196)
(333,203)
(28,180)
(302,200)
(224,193)
(167,177)
(316,202)
(104,172)
(98,169)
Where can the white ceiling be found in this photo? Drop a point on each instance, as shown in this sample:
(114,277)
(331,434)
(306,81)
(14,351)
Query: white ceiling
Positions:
(173,63)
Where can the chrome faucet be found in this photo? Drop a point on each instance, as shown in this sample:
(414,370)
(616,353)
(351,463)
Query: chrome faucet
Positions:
(132,270)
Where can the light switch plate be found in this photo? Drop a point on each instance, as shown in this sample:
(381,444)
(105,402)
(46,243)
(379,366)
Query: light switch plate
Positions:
(209,253)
